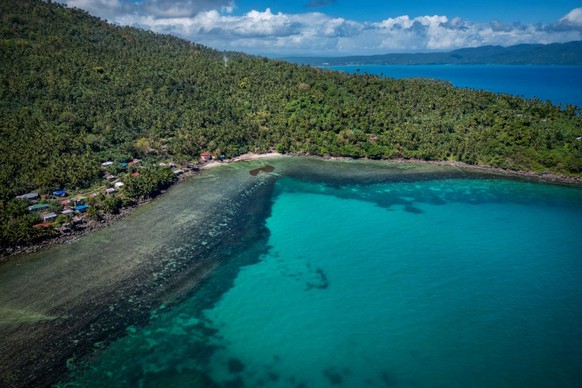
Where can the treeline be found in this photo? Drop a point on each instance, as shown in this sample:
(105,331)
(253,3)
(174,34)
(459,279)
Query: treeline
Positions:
(76,91)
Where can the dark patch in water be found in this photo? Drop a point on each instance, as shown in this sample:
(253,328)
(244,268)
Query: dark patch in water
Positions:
(274,376)
(387,379)
(322,282)
(266,169)
(236,383)
(334,377)
(413,210)
(235,365)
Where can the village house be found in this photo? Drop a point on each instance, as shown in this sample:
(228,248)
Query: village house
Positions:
(205,156)
(81,208)
(43,225)
(79,200)
(47,217)
(29,196)
(38,207)
(59,193)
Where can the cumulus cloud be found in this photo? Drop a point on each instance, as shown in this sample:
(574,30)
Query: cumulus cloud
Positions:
(212,22)
(573,18)
(108,9)
(184,8)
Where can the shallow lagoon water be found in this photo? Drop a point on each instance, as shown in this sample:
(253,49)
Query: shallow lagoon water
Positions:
(369,278)
(325,273)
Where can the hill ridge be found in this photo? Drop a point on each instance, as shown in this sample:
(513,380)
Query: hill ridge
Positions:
(569,53)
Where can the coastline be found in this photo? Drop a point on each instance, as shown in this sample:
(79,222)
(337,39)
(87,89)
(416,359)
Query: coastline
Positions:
(172,248)
(60,306)
(90,225)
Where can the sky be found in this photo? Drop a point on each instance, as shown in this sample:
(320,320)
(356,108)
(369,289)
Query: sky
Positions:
(347,27)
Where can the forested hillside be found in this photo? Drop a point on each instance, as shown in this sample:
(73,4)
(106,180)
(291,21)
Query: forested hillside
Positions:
(76,91)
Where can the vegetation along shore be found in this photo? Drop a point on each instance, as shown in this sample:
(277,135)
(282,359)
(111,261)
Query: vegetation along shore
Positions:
(96,118)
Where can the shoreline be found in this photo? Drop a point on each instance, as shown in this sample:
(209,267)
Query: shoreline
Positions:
(90,225)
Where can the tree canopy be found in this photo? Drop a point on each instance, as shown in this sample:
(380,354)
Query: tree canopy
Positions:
(76,91)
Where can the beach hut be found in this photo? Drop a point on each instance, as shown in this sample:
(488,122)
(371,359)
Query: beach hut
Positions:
(43,225)
(79,200)
(38,207)
(48,217)
(81,208)
(206,156)
(29,196)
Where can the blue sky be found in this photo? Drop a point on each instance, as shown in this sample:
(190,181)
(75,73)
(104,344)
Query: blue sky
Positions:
(342,27)
(532,11)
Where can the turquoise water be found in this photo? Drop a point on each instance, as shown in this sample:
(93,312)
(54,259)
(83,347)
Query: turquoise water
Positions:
(559,84)
(420,283)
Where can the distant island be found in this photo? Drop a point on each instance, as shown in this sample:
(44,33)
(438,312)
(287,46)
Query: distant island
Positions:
(522,54)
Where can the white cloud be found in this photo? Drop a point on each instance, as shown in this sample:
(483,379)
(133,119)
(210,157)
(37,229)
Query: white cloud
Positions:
(212,22)
(574,18)
(102,8)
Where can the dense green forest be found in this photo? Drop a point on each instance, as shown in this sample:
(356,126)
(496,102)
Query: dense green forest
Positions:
(522,54)
(76,91)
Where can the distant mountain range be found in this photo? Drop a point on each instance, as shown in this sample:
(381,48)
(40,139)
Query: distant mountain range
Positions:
(522,54)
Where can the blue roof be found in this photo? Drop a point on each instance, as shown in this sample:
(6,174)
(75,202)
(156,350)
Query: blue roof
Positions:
(81,208)
(59,193)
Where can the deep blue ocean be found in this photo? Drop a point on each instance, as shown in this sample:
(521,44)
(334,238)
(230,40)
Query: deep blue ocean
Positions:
(405,280)
(559,84)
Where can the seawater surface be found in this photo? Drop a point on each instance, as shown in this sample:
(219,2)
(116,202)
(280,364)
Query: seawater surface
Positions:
(375,274)
(559,84)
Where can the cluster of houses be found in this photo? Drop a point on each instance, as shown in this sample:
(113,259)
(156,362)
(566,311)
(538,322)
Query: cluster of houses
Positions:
(111,177)
(68,206)
(45,205)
